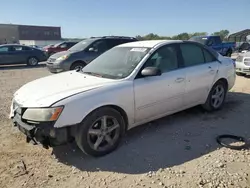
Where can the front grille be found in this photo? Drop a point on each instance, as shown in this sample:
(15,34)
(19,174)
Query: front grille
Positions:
(247,61)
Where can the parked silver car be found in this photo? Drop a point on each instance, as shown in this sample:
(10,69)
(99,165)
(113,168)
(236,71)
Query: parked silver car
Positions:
(83,53)
(242,63)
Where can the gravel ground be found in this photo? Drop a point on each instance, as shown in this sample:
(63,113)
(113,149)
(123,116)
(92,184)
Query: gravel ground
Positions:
(175,151)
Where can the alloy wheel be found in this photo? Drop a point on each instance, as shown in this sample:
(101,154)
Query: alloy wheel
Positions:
(218,96)
(103,133)
(33,61)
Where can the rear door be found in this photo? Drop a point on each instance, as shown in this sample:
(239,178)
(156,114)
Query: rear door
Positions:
(201,68)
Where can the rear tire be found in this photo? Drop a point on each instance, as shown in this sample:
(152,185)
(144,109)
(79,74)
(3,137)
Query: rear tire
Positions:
(216,97)
(77,65)
(32,61)
(96,138)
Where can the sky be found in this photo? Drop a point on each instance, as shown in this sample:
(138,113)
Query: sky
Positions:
(81,18)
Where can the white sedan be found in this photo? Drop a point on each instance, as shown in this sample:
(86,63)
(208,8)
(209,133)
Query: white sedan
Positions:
(127,86)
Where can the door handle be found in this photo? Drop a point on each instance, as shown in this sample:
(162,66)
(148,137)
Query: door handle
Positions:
(178,80)
(212,71)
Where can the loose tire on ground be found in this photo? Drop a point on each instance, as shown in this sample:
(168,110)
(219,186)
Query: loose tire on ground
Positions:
(83,136)
(209,105)
(237,138)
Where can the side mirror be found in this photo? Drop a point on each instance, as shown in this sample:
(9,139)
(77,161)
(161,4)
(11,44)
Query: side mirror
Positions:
(92,50)
(151,71)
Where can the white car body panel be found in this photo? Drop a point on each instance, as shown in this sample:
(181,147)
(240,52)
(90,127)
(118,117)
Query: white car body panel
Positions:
(143,100)
(243,65)
(56,87)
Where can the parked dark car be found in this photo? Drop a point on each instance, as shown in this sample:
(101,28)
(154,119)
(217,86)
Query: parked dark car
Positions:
(215,42)
(19,54)
(84,52)
(63,46)
(242,46)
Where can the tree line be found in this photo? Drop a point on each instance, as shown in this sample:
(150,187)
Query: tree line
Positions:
(183,36)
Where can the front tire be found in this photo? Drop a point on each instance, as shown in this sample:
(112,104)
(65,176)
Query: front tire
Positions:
(77,66)
(216,97)
(100,132)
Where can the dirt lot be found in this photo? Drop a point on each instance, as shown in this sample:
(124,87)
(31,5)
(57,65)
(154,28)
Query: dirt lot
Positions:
(176,151)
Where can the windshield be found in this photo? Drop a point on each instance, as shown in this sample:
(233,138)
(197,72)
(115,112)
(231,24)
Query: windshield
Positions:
(202,40)
(56,45)
(117,63)
(81,45)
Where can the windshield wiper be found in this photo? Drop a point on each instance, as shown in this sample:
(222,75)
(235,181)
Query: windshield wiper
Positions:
(100,75)
(92,73)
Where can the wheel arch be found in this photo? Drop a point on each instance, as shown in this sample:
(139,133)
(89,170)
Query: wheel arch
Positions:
(224,80)
(115,107)
(78,61)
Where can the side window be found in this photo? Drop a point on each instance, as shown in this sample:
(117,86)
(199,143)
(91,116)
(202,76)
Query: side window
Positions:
(211,41)
(113,42)
(217,40)
(17,48)
(4,49)
(70,44)
(127,40)
(192,54)
(208,56)
(100,46)
(165,58)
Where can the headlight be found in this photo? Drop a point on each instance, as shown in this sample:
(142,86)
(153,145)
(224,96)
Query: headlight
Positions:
(62,57)
(239,58)
(42,114)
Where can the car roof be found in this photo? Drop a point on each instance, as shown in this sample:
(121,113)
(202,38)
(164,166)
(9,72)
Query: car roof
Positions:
(12,45)
(149,43)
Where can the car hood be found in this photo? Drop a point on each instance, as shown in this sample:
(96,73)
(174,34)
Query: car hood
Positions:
(45,91)
(60,54)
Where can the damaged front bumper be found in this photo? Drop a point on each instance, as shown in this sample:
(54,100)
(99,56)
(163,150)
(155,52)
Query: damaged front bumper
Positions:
(44,133)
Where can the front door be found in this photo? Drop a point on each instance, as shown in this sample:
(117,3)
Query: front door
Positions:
(158,95)
(96,49)
(201,68)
